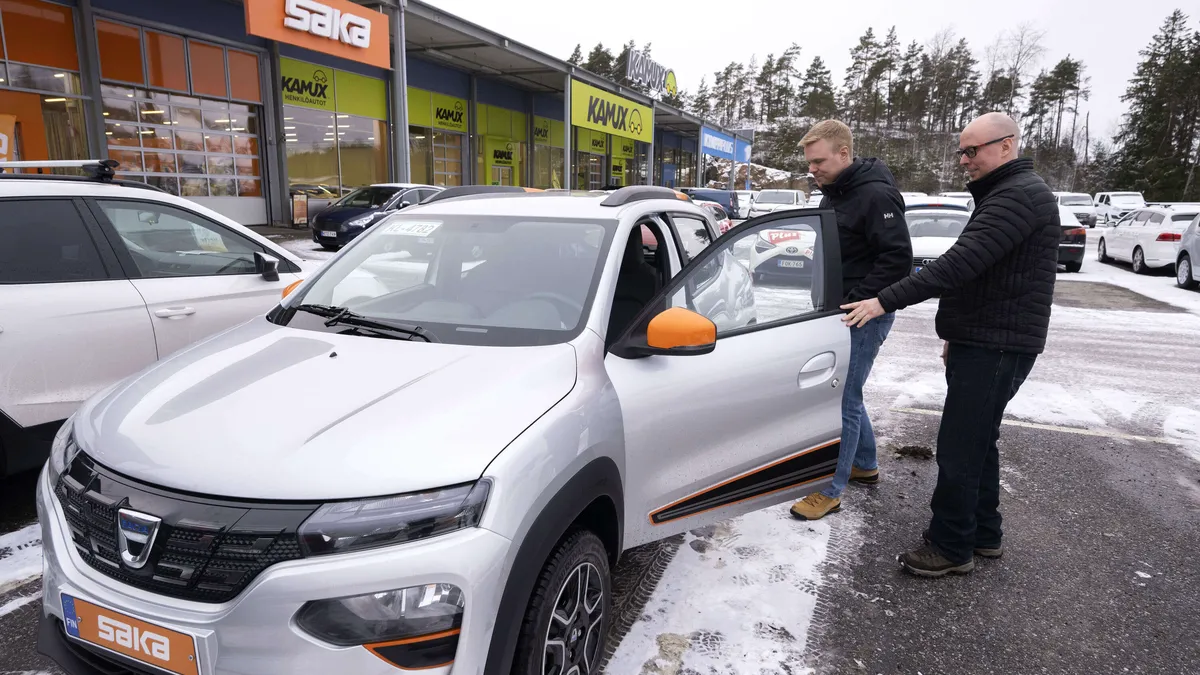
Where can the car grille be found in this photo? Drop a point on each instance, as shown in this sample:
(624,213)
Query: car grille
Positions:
(1082,217)
(206,550)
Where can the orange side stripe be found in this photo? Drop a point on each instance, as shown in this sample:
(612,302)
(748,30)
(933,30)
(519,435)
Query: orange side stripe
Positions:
(739,477)
(413,640)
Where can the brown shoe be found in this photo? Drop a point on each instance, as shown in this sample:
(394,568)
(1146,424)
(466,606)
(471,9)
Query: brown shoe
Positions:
(864,476)
(981,551)
(927,562)
(815,507)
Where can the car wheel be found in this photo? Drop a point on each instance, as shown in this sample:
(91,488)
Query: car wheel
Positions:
(329,247)
(1184,276)
(1139,261)
(1074,266)
(1102,252)
(566,624)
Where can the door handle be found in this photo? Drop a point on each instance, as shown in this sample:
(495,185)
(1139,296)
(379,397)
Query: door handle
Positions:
(174,312)
(818,369)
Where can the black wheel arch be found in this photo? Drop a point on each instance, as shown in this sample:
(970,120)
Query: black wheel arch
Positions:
(592,498)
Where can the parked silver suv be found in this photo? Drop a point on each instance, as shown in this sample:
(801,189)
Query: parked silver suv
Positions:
(434,462)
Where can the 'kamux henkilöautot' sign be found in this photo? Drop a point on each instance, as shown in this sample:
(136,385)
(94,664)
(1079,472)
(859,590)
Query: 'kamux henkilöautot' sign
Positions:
(305,84)
(449,113)
(641,69)
(596,109)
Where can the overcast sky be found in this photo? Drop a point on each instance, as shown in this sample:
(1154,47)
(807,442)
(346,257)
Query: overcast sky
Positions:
(697,38)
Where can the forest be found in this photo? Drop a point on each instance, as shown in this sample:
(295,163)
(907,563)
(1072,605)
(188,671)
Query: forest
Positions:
(906,103)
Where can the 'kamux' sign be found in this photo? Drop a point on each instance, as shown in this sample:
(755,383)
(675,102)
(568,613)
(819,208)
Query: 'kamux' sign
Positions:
(337,27)
(639,68)
(596,109)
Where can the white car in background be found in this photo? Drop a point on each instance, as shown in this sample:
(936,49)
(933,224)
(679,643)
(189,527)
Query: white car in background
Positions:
(1147,238)
(745,199)
(719,214)
(783,254)
(933,225)
(770,201)
(814,199)
(100,278)
(1080,205)
(964,196)
(1113,206)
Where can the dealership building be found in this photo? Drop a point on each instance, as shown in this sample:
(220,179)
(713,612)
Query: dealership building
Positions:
(247,106)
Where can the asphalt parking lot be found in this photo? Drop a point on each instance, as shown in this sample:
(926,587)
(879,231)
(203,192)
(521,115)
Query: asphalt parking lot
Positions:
(1101,466)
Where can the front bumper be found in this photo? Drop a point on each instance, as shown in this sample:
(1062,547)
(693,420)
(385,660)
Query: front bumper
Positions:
(341,236)
(256,632)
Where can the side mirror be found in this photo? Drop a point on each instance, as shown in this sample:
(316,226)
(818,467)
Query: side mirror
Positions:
(404,204)
(678,332)
(267,266)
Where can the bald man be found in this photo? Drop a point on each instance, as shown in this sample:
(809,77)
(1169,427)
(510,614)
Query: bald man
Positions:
(996,284)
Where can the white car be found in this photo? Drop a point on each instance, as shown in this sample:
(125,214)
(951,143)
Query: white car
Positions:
(933,226)
(1147,238)
(1082,209)
(1113,206)
(913,195)
(770,201)
(814,199)
(783,254)
(101,278)
(965,197)
(719,214)
(745,199)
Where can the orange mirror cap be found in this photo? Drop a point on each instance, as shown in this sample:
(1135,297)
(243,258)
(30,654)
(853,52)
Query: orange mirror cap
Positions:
(291,287)
(529,189)
(679,327)
(682,196)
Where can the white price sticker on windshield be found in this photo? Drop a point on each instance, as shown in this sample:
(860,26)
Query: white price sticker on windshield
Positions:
(412,228)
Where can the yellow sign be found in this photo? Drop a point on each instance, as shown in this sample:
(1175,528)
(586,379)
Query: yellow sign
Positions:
(501,151)
(624,147)
(591,142)
(8,137)
(618,171)
(547,132)
(598,110)
(449,113)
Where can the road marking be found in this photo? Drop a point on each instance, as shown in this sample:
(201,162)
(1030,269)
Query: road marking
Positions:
(14,605)
(1051,427)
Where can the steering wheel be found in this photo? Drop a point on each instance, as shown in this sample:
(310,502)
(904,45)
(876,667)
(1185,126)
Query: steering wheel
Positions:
(556,297)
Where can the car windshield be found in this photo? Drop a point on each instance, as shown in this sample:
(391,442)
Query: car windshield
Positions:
(775,197)
(480,280)
(1128,198)
(369,197)
(935,223)
(1075,200)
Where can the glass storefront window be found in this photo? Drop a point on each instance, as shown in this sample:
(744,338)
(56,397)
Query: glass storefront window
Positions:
(420,152)
(311,151)
(363,152)
(448,151)
(548,167)
(590,171)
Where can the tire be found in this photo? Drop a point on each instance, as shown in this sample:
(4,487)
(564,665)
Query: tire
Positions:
(1073,267)
(1139,261)
(1185,276)
(1102,252)
(581,555)
(330,247)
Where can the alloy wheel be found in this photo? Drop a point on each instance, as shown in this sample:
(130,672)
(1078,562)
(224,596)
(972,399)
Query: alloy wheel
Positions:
(1183,271)
(574,639)
(1139,261)
(1101,252)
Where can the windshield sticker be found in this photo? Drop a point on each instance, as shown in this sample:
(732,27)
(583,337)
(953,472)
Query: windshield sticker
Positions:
(412,228)
(777,236)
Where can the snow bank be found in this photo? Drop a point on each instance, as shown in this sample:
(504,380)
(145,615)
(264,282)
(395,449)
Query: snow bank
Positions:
(20,556)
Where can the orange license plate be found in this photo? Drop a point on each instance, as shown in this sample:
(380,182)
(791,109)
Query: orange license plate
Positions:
(162,648)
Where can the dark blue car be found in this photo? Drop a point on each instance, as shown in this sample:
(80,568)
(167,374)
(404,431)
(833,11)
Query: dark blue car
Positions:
(355,213)
(726,198)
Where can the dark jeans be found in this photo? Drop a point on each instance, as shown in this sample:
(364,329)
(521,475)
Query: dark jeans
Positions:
(966,501)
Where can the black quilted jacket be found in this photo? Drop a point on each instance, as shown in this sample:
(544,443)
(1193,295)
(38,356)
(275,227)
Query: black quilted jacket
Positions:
(996,282)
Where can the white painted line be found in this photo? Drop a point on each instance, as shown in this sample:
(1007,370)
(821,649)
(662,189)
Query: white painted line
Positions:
(1052,427)
(13,605)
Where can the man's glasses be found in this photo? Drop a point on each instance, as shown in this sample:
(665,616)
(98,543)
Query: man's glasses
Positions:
(971,150)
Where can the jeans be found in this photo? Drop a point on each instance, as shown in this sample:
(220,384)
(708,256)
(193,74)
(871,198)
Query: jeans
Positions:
(966,501)
(858,438)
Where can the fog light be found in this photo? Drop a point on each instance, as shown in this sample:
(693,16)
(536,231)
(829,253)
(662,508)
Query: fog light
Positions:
(417,618)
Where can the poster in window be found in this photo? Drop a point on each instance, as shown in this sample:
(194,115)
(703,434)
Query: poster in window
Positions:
(300,209)
(8,138)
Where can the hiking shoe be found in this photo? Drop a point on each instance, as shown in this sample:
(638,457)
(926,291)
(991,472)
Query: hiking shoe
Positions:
(869,477)
(816,506)
(981,551)
(926,562)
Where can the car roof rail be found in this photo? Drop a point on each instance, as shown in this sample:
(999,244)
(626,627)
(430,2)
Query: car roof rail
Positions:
(471,190)
(637,193)
(96,169)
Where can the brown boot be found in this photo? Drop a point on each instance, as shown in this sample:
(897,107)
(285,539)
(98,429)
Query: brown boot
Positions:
(815,507)
(864,476)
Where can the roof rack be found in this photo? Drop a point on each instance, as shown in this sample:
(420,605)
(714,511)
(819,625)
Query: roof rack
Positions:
(637,193)
(469,190)
(95,170)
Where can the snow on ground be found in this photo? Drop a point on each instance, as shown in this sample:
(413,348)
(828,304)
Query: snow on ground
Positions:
(1158,287)
(738,597)
(306,248)
(20,556)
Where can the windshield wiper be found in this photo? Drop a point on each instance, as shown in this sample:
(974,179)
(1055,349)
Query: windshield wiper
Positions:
(343,315)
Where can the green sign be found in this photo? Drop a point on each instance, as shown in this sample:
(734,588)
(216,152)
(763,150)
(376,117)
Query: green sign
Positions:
(623,147)
(449,113)
(360,95)
(501,151)
(592,142)
(548,132)
(306,85)
(618,171)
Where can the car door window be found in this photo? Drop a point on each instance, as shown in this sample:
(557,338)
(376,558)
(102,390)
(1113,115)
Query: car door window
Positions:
(696,237)
(1155,220)
(1140,219)
(46,241)
(165,241)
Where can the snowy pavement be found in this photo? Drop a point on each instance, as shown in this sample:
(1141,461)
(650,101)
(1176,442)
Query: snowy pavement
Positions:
(1101,467)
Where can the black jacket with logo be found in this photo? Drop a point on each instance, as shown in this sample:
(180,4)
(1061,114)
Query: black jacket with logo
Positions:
(876,249)
(997,281)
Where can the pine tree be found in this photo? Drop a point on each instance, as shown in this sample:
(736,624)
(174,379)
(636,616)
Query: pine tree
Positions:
(600,61)
(818,100)
(859,85)
(768,108)
(702,106)
(889,63)
(576,56)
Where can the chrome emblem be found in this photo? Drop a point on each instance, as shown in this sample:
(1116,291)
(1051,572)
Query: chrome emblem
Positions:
(135,537)
(793,250)
(927,261)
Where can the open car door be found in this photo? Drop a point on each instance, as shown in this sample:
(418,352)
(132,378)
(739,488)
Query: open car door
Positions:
(730,380)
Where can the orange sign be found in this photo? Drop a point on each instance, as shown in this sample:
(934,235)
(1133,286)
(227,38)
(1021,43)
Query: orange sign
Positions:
(8,137)
(160,647)
(336,27)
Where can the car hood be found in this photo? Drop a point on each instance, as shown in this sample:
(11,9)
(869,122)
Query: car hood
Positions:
(772,208)
(336,215)
(1081,208)
(270,412)
(931,247)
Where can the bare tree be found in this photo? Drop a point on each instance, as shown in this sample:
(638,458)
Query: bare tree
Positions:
(1025,50)
(995,55)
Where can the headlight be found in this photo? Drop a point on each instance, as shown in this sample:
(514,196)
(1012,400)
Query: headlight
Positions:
(361,222)
(64,449)
(340,527)
(381,617)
